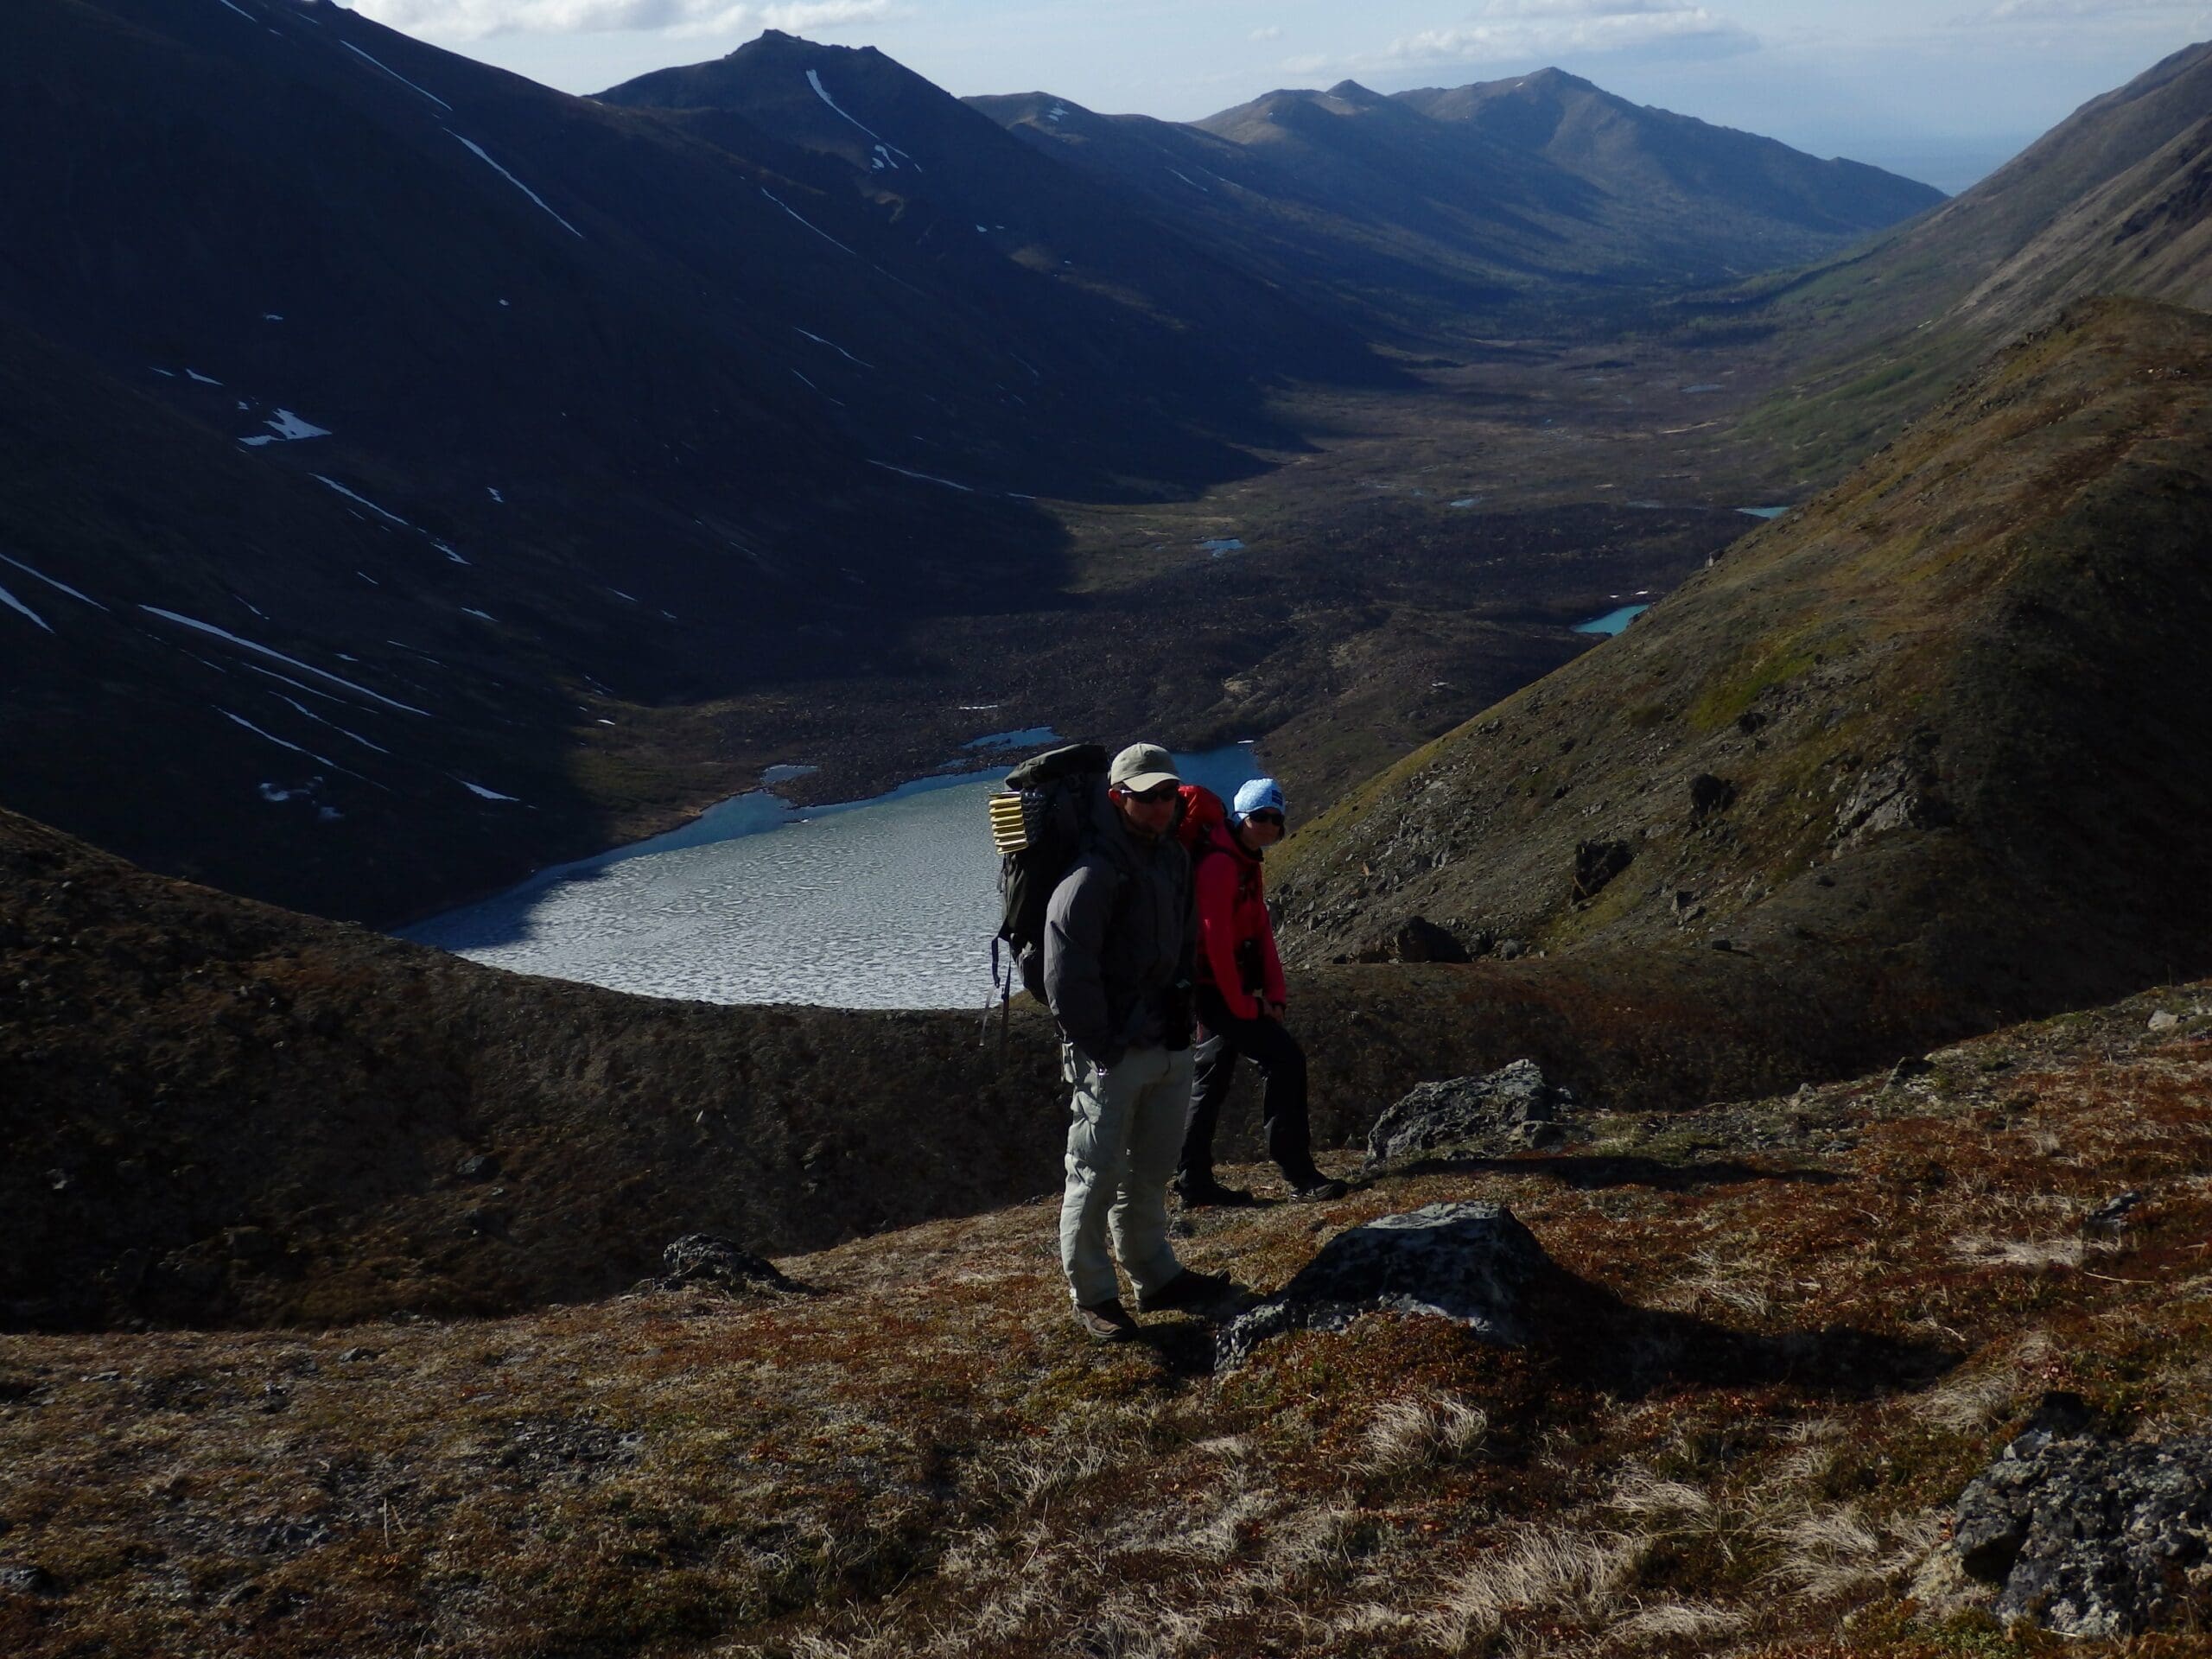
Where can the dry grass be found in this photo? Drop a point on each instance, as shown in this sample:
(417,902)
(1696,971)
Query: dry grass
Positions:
(1423,1432)
(1743,1433)
(1538,1575)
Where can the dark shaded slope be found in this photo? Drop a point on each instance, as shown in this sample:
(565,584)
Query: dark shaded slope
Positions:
(1925,754)
(176,1064)
(417,697)
(537,406)
(227,669)
(664,294)
(2111,200)
(989,211)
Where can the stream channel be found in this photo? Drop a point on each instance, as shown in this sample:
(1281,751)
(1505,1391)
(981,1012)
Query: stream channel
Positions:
(886,903)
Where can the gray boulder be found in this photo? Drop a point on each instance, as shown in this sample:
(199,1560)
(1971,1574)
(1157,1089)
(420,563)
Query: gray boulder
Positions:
(1469,1262)
(2090,1536)
(1512,1107)
(703,1259)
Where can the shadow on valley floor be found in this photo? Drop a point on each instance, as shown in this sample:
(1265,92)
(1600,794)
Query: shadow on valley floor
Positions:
(1599,1340)
(1585,1172)
(1591,1338)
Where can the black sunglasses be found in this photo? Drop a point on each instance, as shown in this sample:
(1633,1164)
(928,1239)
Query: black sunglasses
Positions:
(1267,815)
(1156,794)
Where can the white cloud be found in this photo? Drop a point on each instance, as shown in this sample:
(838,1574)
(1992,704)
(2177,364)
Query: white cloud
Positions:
(473,20)
(1270,33)
(1511,30)
(2039,11)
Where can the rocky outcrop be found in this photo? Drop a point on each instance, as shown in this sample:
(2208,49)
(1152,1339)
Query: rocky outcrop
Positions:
(1709,795)
(1470,1263)
(1415,939)
(1898,794)
(2088,1535)
(702,1259)
(1513,1107)
(1596,863)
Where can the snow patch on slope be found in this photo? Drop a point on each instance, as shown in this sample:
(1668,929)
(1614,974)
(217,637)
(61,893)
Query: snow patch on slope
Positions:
(62,587)
(832,345)
(15,604)
(814,80)
(479,151)
(926,478)
(403,81)
(278,655)
(290,427)
(804,220)
(278,741)
(333,484)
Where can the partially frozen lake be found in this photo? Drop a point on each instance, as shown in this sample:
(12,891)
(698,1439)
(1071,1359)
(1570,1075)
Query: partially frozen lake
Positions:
(888,903)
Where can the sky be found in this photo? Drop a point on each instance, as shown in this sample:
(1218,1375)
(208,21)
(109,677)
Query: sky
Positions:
(1942,90)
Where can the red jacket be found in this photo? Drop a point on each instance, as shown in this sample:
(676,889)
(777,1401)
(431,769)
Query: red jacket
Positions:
(1236,942)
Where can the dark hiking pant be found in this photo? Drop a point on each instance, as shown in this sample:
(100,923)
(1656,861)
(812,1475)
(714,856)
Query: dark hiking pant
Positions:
(1282,1110)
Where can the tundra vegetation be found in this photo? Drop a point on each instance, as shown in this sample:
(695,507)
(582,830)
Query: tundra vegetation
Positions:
(1778,1337)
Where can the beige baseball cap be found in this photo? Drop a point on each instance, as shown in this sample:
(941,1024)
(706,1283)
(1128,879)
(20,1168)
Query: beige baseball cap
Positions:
(1141,767)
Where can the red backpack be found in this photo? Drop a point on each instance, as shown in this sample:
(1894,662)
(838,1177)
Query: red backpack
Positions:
(1203,813)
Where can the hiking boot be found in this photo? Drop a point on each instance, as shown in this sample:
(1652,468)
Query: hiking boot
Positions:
(1319,1190)
(1206,1193)
(1187,1289)
(1106,1321)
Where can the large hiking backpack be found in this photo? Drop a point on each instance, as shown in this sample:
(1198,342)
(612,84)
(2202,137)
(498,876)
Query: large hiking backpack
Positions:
(1041,825)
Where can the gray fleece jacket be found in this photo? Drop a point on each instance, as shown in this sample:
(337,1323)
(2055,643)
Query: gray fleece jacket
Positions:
(1118,939)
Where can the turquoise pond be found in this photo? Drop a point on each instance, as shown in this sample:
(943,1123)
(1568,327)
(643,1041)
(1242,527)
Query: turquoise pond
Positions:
(1612,621)
(884,903)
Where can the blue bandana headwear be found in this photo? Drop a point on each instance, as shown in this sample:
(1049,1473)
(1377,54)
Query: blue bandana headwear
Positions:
(1259,795)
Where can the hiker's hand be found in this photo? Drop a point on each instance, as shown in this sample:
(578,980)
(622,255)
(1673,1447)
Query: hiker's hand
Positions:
(1274,1010)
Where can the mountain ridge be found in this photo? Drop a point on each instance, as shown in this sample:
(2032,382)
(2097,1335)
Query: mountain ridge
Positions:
(1451,200)
(2109,200)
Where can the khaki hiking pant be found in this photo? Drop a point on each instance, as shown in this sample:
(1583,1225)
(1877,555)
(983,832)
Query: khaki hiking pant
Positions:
(1124,1134)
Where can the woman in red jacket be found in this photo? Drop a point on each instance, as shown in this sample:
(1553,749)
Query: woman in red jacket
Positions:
(1240,1004)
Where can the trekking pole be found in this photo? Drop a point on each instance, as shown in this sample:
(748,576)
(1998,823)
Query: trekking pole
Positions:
(983,1039)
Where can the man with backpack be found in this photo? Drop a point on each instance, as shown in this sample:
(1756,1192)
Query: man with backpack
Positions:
(1117,946)
(1240,999)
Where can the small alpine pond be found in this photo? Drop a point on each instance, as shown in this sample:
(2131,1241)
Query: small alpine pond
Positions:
(1612,621)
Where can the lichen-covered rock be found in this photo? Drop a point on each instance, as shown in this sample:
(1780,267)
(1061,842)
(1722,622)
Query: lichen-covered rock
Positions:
(702,1259)
(2091,1536)
(1470,1263)
(1415,939)
(1512,1106)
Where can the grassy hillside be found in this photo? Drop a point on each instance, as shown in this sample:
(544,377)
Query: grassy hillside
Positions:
(1946,716)
(2110,202)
